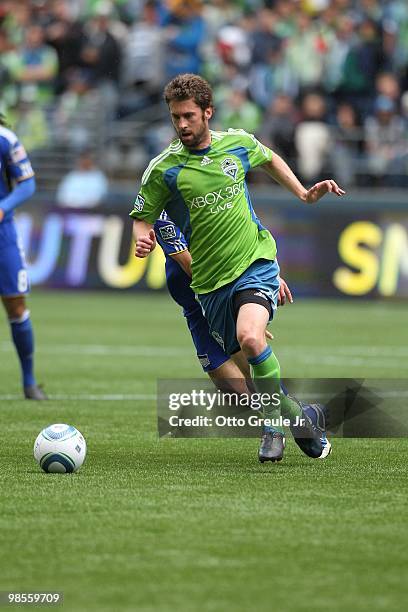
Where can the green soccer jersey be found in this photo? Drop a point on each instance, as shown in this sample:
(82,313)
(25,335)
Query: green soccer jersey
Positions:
(205,194)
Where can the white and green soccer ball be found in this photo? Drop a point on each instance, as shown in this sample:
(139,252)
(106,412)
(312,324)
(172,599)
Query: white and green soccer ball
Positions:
(60,448)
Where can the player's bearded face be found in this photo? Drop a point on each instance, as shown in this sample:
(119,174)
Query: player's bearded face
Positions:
(191,123)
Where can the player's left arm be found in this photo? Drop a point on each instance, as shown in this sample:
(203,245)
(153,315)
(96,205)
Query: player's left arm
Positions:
(261,156)
(184,261)
(279,170)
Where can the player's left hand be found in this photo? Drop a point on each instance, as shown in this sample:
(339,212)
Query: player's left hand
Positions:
(284,292)
(1,215)
(320,189)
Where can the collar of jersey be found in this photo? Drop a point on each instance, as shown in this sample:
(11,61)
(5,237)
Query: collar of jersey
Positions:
(200,151)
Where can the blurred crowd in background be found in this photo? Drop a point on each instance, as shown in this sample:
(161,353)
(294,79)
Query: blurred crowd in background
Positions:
(323,82)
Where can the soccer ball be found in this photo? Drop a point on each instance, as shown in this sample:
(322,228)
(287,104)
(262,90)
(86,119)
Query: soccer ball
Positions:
(60,448)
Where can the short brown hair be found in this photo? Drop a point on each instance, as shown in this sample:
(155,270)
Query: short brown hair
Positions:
(189,87)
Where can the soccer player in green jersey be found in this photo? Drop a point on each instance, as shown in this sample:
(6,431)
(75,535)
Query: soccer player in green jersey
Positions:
(200,180)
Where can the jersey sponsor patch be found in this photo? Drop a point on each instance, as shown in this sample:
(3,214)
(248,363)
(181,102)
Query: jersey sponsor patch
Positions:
(139,203)
(167,232)
(229,168)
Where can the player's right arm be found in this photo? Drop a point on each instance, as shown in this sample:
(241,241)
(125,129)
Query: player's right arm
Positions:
(17,167)
(147,207)
(145,239)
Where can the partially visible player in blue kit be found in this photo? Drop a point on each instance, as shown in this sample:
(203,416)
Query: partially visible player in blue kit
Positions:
(228,373)
(215,362)
(17,184)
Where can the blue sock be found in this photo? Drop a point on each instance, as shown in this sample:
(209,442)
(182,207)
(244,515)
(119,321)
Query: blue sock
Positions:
(23,338)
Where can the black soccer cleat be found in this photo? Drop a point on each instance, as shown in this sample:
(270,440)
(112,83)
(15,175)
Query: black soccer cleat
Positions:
(308,436)
(317,414)
(272,446)
(35,392)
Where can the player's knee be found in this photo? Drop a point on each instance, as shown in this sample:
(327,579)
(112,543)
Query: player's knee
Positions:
(251,343)
(18,314)
(15,308)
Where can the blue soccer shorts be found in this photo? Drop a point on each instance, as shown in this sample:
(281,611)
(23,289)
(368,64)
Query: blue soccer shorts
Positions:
(218,305)
(209,352)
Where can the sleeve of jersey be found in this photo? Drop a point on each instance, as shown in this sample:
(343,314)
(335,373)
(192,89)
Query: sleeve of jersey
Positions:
(169,236)
(150,200)
(21,192)
(258,153)
(18,165)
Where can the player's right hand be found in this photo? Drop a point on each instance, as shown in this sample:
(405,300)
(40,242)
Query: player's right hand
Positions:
(1,215)
(145,244)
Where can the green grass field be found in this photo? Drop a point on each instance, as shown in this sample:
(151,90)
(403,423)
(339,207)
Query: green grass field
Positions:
(196,525)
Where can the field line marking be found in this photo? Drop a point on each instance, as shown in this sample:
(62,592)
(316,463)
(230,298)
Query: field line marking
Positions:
(103,349)
(146,350)
(334,360)
(139,397)
(301,355)
(107,397)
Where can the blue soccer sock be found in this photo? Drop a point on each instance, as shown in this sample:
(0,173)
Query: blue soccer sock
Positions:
(23,338)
